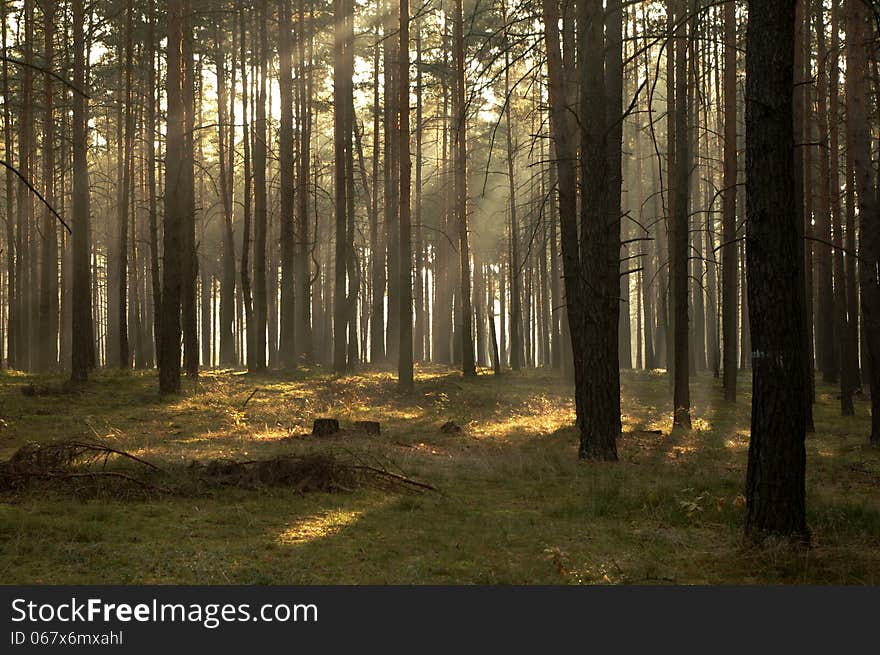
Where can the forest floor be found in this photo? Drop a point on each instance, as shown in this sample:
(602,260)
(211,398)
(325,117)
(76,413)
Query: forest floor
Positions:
(513,504)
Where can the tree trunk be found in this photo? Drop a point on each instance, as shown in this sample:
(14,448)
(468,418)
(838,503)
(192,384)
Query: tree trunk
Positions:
(261,306)
(189,262)
(516,321)
(600,225)
(420,330)
(597,386)
(826,346)
(680,223)
(377,247)
(460,107)
(803,196)
(668,280)
(841,291)
(858,83)
(259,146)
(442,329)
(122,340)
(175,200)
(247,137)
(82,342)
(226,157)
(24,200)
(392,182)
(614,119)
(352,267)
(11,218)
(285,159)
(405,352)
(729,248)
(155,280)
(340,139)
(204,270)
(775,487)
(48,349)
(302,254)
(562,125)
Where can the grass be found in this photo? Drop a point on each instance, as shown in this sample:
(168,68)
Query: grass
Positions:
(515,506)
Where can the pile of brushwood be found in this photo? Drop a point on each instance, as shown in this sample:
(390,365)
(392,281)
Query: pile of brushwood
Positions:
(90,469)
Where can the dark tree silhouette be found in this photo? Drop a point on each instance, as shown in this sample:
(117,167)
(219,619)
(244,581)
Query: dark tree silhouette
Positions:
(775,484)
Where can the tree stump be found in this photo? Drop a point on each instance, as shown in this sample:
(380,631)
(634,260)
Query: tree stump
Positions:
(450,427)
(323,427)
(368,427)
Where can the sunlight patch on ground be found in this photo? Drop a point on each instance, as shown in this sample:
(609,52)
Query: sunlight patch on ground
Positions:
(664,425)
(427,449)
(399,414)
(740,440)
(540,416)
(701,425)
(425,373)
(322,524)
(523,424)
(633,420)
(678,451)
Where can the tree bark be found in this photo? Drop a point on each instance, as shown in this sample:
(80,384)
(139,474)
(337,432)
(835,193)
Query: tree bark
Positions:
(260,146)
(11,217)
(303,248)
(405,352)
(775,484)
(460,107)
(392,182)
(287,349)
(729,248)
(680,221)
(377,247)
(225,155)
(803,195)
(591,260)
(153,227)
(82,342)
(24,201)
(247,138)
(341,100)
(826,347)
(858,84)
(841,291)
(421,336)
(127,130)
(516,321)
(614,119)
(189,263)
(175,200)
(562,125)
(48,349)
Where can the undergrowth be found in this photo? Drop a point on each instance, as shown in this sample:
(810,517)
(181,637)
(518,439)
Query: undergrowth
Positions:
(512,503)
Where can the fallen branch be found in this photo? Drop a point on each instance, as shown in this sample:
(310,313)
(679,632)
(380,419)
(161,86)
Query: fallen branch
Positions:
(395,476)
(121,453)
(317,472)
(253,393)
(106,474)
